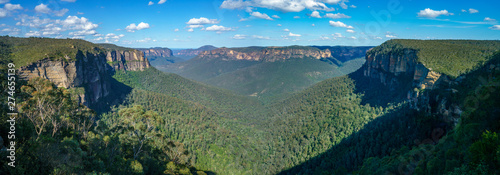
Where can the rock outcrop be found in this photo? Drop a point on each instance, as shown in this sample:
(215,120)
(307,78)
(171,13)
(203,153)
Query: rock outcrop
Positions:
(401,71)
(156,52)
(89,71)
(270,54)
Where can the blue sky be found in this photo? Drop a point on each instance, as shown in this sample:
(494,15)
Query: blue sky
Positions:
(239,23)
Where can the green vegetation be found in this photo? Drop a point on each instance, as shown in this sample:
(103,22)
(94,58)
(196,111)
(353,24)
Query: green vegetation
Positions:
(450,57)
(29,50)
(166,124)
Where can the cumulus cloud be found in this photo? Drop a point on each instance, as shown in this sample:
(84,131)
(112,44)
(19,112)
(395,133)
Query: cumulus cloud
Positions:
(350,31)
(4,1)
(132,27)
(293,34)
(190,30)
(202,21)
(69,0)
(261,15)
(162,1)
(471,10)
(276,16)
(336,15)
(353,6)
(32,33)
(218,29)
(279,25)
(429,13)
(313,25)
(111,37)
(195,26)
(337,35)
(296,17)
(151,3)
(315,14)
(352,37)
(261,37)
(11,7)
(238,36)
(495,27)
(75,23)
(176,30)
(42,8)
(286,30)
(340,24)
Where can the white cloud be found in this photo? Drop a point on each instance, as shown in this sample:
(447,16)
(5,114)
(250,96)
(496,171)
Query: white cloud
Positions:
(292,34)
(3,13)
(75,23)
(32,33)
(176,30)
(195,26)
(42,8)
(190,30)
(218,29)
(286,30)
(11,7)
(463,10)
(337,35)
(429,13)
(81,33)
(495,27)
(143,40)
(80,13)
(352,37)
(489,19)
(111,37)
(238,36)
(280,5)
(99,39)
(201,21)
(162,1)
(296,17)
(260,37)
(315,14)
(313,25)
(471,10)
(324,38)
(69,0)
(279,25)
(336,16)
(261,15)
(353,6)
(61,12)
(4,1)
(350,31)
(151,3)
(340,24)
(390,36)
(276,16)
(132,27)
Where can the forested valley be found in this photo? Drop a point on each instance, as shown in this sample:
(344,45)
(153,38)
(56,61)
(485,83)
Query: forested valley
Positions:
(353,124)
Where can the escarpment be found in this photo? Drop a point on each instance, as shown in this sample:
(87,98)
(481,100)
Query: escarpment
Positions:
(268,54)
(90,71)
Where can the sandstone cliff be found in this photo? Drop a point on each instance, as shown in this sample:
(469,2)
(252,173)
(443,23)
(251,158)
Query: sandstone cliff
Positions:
(269,54)
(156,52)
(91,71)
(400,70)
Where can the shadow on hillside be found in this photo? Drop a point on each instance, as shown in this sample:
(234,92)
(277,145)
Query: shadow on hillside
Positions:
(380,137)
(117,95)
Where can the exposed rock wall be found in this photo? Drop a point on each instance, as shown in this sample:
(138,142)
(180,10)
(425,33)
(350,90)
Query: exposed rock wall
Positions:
(92,71)
(270,54)
(400,71)
(157,52)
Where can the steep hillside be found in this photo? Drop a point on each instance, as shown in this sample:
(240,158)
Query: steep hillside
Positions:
(83,66)
(425,114)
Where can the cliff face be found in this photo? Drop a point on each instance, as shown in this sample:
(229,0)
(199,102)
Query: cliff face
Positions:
(132,60)
(157,52)
(90,71)
(270,54)
(401,71)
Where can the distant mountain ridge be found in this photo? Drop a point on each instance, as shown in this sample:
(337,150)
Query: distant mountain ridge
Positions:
(190,53)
